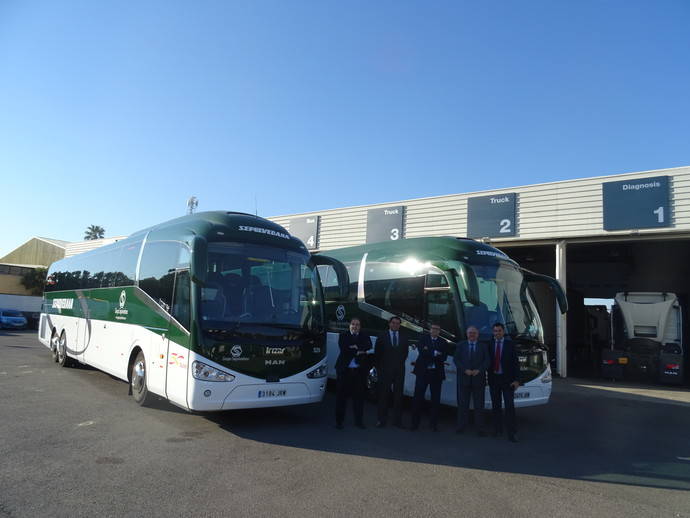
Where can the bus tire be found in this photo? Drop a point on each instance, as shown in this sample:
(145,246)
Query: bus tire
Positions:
(137,377)
(62,359)
(54,345)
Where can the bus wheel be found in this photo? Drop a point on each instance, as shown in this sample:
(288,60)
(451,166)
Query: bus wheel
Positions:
(138,381)
(62,359)
(54,341)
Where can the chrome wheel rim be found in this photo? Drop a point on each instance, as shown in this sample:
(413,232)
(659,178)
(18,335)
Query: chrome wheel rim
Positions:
(61,348)
(138,376)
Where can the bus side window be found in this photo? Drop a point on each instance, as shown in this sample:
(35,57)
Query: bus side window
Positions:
(394,287)
(181,306)
(157,270)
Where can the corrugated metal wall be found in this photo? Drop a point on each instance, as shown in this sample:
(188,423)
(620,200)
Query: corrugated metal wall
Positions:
(557,210)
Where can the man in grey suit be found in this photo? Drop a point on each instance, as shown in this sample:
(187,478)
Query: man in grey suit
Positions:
(472,361)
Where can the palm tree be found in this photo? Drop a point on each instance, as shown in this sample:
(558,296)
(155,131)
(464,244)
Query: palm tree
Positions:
(94,232)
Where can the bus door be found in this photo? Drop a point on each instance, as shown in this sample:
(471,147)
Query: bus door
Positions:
(177,340)
(84,327)
(440,307)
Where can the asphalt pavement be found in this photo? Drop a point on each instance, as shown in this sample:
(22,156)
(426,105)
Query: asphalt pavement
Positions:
(73,443)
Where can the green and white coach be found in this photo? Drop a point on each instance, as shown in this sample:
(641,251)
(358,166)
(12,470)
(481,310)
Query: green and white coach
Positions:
(212,311)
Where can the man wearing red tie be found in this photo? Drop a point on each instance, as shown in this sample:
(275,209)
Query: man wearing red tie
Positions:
(504,379)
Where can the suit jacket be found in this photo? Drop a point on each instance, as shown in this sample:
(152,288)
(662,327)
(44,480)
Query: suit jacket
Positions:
(479,360)
(426,356)
(389,358)
(345,340)
(509,362)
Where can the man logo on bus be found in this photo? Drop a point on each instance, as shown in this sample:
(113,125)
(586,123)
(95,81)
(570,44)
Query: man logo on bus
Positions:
(123,299)
(340,312)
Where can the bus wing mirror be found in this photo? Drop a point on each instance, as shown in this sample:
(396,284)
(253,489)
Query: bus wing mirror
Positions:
(471,285)
(199,260)
(340,272)
(555,286)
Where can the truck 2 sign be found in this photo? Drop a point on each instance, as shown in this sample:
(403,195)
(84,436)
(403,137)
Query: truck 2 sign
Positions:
(491,216)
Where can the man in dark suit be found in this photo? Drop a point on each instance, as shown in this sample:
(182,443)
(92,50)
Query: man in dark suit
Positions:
(352,370)
(390,356)
(504,379)
(429,368)
(471,360)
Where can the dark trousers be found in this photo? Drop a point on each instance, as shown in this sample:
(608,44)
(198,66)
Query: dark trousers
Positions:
(424,380)
(352,383)
(475,392)
(501,390)
(396,379)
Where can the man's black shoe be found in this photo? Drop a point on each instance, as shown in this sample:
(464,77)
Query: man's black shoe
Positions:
(380,424)
(481,433)
(414,428)
(434,428)
(460,431)
(512,438)
(497,433)
(339,426)
(399,425)
(361,426)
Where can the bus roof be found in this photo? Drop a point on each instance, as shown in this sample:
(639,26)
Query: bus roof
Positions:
(427,247)
(215,226)
(225,226)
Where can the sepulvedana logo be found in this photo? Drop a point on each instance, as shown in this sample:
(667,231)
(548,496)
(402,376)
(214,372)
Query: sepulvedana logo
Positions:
(61,304)
(121,313)
(261,230)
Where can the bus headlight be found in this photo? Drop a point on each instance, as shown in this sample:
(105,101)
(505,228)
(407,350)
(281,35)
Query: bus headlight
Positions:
(204,372)
(320,372)
(546,378)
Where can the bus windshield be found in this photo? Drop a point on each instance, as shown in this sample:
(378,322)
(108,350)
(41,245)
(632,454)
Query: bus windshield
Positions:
(256,284)
(503,297)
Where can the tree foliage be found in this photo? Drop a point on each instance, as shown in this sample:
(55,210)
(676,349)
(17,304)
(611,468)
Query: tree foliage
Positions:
(35,280)
(94,232)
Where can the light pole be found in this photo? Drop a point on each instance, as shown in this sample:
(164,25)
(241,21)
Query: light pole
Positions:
(192,204)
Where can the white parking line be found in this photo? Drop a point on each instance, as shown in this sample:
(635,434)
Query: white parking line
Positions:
(86,423)
(684,458)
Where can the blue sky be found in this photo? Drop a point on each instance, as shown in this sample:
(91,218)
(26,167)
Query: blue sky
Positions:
(114,113)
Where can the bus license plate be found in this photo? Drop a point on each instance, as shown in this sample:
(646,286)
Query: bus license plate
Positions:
(272,393)
(521,395)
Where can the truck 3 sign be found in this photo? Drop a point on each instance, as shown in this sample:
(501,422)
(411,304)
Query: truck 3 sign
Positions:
(385,224)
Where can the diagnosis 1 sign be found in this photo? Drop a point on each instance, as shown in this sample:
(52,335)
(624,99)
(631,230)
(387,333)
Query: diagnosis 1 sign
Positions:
(640,203)
(491,216)
(306,229)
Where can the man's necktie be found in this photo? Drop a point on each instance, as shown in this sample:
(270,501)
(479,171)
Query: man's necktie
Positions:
(395,339)
(497,356)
